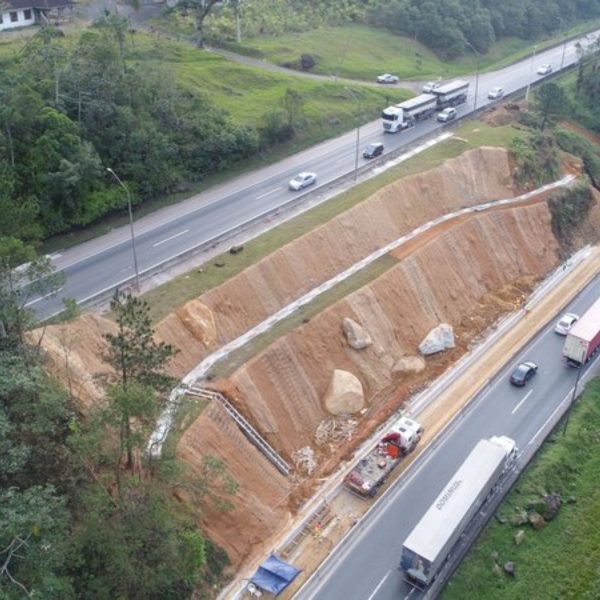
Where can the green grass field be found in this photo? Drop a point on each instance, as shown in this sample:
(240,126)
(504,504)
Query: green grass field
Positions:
(167,297)
(562,561)
(360,52)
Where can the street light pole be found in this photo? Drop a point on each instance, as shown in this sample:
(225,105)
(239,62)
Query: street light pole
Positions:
(560,34)
(579,369)
(476,74)
(356,154)
(530,74)
(135,263)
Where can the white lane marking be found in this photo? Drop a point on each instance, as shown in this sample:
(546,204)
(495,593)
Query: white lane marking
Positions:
(412,590)
(378,586)
(518,406)
(170,238)
(42,297)
(268,193)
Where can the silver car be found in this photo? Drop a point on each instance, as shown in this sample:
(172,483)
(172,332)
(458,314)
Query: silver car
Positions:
(387,78)
(495,93)
(302,180)
(566,323)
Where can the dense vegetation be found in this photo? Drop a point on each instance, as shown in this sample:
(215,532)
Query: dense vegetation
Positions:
(68,111)
(84,513)
(560,561)
(447,26)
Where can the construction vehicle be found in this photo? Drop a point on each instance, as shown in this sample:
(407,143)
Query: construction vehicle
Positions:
(428,546)
(371,472)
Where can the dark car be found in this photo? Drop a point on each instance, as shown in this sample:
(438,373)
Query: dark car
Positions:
(523,373)
(373,150)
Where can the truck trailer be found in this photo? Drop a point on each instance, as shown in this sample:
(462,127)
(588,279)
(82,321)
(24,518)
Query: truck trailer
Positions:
(584,338)
(370,473)
(451,94)
(409,113)
(429,544)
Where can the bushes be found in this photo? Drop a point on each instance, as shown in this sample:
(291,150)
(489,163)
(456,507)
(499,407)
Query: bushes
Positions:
(569,208)
(537,159)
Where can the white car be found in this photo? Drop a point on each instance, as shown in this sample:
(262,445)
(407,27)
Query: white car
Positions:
(566,323)
(446,115)
(430,86)
(544,69)
(387,78)
(495,93)
(302,180)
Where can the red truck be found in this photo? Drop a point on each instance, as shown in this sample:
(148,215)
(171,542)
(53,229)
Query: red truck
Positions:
(371,472)
(584,338)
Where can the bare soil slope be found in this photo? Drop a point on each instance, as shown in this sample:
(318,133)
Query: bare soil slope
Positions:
(201,326)
(466,273)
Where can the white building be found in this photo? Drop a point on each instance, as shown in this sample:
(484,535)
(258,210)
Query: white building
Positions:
(22,13)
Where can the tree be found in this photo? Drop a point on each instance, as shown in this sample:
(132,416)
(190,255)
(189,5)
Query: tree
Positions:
(201,10)
(551,101)
(23,277)
(140,363)
(292,103)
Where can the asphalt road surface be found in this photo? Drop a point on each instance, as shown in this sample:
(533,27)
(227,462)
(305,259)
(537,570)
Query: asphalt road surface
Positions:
(105,263)
(366,567)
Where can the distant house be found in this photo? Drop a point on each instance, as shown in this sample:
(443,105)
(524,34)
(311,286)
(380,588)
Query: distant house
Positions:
(21,13)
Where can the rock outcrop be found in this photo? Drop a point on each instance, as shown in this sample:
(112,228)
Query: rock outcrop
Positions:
(356,335)
(437,340)
(345,394)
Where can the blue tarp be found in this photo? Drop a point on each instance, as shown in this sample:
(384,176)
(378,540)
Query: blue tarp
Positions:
(274,575)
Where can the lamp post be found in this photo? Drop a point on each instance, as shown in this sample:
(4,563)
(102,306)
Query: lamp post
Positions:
(357,133)
(560,34)
(530,74)
(579,369)
(476,74)
(135,263)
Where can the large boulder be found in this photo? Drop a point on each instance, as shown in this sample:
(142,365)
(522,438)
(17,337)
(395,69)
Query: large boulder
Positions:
(345,394)
(356,335)
(553,504)
(409,364)
(536,520)
(438,339)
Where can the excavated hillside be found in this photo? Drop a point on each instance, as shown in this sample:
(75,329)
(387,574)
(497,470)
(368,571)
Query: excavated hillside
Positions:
(203,325)
(466,272)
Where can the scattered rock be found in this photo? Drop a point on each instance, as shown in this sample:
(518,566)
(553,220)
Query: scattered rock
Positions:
(519,519)
(495,556)
(307,62)
(438,339)
(500,519)
(536,520)
(510,569)
(571,500)
(409,364)
(220,263)
(496,570)
(236,249)
(519,537)
(553,504)
(345,393)
(355,334)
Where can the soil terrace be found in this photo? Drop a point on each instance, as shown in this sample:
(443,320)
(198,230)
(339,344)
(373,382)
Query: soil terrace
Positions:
(469,273)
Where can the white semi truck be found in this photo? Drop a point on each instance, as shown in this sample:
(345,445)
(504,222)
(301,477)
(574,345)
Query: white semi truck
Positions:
(409,113)
(429,544)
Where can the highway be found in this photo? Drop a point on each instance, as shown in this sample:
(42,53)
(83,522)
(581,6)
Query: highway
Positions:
(366,566)
(102,264)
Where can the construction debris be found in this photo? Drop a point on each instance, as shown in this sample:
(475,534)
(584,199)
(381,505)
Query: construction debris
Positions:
(335,430)
(304,459)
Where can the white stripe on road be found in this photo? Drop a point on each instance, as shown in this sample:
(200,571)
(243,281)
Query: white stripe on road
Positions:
(268,193)
(518,406)
(170,238)
(43,297)
(378,586)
